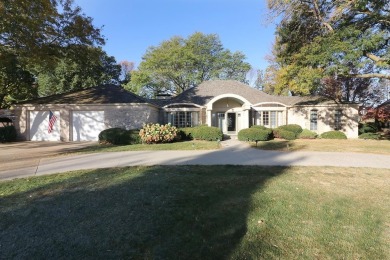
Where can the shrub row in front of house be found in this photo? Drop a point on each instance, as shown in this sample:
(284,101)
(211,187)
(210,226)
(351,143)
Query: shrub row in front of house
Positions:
(156,133)
(287,132)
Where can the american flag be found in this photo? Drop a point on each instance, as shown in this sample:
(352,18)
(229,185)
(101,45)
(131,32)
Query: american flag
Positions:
(52,120)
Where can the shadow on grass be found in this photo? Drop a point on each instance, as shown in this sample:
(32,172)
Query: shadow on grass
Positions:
(279,145)
(159,212)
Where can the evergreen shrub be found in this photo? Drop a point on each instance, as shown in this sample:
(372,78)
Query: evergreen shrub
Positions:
(369,127)
(307,134)
(333,135)
(284,134)
(135,138)
(208,133)
(296,129)
(184,133)
(372,136)
(255,134)
(116,136)
(259,127)
(202,132)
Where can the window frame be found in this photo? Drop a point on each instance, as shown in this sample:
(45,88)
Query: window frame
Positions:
(314,119)
(338,115)
(181,119)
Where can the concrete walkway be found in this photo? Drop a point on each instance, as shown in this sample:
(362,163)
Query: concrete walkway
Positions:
(233,152)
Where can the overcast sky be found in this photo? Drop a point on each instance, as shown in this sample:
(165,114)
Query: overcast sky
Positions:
(131,26)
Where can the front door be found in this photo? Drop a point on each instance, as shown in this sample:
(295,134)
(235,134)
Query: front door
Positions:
(231,122)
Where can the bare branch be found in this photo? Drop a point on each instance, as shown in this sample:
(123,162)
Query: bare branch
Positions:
(374,57)
(369,75)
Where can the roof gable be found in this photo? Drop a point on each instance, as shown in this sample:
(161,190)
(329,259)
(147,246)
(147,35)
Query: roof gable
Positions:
(207,90)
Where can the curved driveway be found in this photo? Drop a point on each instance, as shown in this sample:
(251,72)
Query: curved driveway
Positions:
(233,152)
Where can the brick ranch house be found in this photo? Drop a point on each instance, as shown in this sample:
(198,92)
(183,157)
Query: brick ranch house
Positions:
(227,104)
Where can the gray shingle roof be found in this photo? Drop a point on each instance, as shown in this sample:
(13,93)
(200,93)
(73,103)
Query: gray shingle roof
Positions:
(207,90)
(103,94)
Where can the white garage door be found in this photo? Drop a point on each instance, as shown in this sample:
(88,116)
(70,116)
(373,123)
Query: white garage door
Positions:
(39,126)
(87,125)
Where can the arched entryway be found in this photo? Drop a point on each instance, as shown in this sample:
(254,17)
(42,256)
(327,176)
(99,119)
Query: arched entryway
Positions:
(228,112)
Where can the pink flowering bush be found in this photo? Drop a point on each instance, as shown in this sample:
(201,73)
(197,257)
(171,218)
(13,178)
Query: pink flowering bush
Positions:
(156,133)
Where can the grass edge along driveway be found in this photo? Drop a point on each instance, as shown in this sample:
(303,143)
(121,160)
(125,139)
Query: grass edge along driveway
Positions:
(327,145)
(193,212)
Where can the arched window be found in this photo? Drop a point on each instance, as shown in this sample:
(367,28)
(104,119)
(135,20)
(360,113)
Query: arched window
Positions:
(313,119)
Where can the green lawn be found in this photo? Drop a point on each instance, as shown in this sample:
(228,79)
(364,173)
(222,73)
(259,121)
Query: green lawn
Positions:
(198,212)
(327,145)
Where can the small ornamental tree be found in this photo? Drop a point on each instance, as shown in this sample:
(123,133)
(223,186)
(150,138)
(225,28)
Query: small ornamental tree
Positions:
(156,133)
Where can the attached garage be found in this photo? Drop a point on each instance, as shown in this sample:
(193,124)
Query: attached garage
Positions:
(87,125)
(39,126)
(83,114)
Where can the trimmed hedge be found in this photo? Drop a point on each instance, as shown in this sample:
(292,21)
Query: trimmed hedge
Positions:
(259,127)
(255,134)
(372,136)
(296,129)
(283,134)
(369,127)
(8,134)
(156,133)
(119,136)
(333,135)
(202,132)
(287,135)
(307,134)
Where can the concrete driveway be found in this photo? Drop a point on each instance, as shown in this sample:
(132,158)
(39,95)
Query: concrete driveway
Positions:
(32,158)
(19,155)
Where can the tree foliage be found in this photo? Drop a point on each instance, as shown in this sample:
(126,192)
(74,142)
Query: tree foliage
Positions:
(91,67)
(50,46)
(347,41)
(178,64)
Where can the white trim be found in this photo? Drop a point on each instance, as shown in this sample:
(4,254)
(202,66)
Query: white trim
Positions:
(182,104)
(246,105)
(277,103)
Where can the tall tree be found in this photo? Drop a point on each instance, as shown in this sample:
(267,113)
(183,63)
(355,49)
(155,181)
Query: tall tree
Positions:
(91,67)
(14,79)
(36,36)
(178,64)
(318,39)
